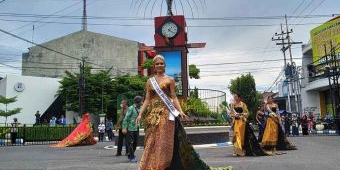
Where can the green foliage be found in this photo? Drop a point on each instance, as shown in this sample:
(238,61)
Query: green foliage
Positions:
(194,94)
(224,106)
(148,63)
(195,106)
(99,87)
(41,133)
(194,71)
(6,113)
(246,87)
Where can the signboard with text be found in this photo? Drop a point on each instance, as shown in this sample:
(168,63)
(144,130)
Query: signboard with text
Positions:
(325,35)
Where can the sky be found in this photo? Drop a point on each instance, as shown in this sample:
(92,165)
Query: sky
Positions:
(238,33)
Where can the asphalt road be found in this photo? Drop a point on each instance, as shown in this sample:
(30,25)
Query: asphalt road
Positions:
(314,153)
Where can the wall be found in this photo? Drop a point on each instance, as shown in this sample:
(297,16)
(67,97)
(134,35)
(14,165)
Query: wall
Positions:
(311,101)
(38,94)
(101,51)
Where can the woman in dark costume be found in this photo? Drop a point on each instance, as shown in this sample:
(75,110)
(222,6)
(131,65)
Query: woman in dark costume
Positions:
(261,121)
(274,137)
(244,140)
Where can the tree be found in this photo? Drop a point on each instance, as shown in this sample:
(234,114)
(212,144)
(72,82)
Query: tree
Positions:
(98,91)
(148,63)
(194,71)
(101,90)
(246,87)
(5,113)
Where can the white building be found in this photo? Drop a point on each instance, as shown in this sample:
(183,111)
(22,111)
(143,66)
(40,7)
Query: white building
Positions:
(33,94)
(315,87)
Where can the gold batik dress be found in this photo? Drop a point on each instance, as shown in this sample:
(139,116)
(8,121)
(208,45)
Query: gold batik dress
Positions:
(159,134)
(166,145)
(239,128)
(271,132)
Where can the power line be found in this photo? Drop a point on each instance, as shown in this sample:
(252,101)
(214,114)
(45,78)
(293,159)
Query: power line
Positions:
(47,48)
(44,17)
(150,25)
(241,62)
(243,72)
(77,17)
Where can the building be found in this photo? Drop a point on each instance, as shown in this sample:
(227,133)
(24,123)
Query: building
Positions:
(33,94)
(45,64)
(52,58)
(316,91)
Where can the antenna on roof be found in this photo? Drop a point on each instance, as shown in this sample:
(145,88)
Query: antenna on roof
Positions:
(84,18)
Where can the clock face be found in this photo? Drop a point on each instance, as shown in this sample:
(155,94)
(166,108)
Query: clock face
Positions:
(19,87)
(169,29)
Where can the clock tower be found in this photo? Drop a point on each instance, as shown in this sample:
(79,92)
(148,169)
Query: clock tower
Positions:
(170,31)
(171,42)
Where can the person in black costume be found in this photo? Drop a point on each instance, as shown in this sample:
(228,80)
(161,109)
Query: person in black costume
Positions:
(244,140)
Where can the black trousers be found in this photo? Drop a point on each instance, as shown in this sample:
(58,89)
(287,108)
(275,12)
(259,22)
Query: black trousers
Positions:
(121,137)
(132,143)
(101,136)
(109,134)
(13,137)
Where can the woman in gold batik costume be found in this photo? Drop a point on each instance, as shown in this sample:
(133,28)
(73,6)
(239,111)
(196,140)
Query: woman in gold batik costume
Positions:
(274,137)
(244,141)
(166,145)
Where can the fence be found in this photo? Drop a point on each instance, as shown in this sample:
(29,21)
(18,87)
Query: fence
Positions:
(212,98)
(30,134)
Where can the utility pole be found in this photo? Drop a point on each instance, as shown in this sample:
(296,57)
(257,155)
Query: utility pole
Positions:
(333,74)
(82,87)
(283,49)
(84,18)
(290,70)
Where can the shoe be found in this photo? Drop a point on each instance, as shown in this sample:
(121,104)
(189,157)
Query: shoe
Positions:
(118,154)
(134,160)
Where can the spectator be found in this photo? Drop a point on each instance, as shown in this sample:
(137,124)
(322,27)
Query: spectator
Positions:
(124,105)
(109,128)
(14,130)
(53,121)
(101,132)
(62,120)
(132,128)
(311,122)
(287,124)
(37,118)
(304,124)
(328,118)
(295,125)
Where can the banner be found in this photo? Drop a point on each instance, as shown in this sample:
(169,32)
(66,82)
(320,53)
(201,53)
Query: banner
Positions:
(327,34)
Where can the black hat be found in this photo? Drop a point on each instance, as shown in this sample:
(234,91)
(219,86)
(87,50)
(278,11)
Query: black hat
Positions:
(138,99)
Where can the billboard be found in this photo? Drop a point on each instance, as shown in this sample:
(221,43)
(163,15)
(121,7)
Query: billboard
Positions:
(327,34)
(173,60)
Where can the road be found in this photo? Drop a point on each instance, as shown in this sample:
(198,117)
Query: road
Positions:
(314,153)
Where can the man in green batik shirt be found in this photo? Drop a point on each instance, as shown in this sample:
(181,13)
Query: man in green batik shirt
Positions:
(129,126)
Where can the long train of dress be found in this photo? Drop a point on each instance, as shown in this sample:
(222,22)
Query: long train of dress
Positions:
(81,135)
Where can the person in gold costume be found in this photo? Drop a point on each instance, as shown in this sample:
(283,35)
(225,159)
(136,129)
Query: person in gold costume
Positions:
(273,137)
(166,146)
(244,141)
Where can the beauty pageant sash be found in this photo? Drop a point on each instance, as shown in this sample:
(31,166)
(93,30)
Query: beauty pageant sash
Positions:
(173,111)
